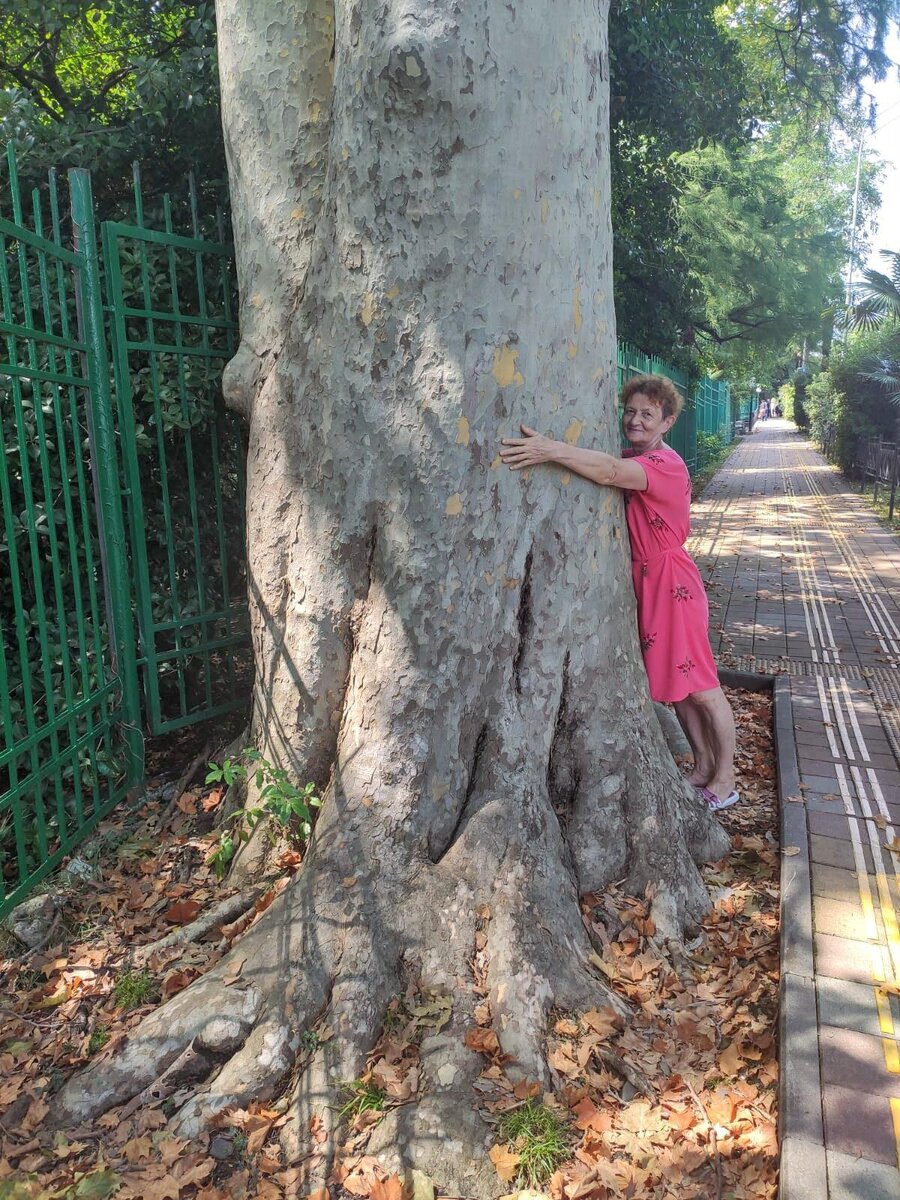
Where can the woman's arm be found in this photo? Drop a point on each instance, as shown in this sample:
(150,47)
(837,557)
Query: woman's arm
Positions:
(533,449)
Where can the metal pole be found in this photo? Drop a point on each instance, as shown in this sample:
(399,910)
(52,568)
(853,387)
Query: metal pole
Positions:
(849,296)
(105,469)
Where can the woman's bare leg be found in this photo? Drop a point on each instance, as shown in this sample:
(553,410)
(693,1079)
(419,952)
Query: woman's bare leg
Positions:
(715,712)
(691,720)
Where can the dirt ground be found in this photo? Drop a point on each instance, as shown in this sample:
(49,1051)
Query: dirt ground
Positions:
(679,1102)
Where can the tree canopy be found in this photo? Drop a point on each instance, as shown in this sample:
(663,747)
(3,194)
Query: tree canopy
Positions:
(733,130)
(100,83)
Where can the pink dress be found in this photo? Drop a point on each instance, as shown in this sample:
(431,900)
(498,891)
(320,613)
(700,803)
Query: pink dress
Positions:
(673,613)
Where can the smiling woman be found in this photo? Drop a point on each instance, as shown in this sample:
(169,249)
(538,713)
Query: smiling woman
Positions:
(673,614)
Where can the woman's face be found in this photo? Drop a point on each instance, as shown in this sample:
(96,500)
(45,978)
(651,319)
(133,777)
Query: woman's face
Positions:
(643,422)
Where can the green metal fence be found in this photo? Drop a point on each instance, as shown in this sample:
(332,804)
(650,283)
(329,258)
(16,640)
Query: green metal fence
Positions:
(708,417)
(101,491)
(173,330)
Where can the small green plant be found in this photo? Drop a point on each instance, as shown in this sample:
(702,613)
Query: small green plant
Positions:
(291,808)
(361,1095)
(133,989)
(539,1138)
(98,1039)
(309,1040)
(709,446)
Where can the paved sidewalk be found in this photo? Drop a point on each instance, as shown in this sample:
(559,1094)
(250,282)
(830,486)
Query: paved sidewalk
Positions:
(804,582)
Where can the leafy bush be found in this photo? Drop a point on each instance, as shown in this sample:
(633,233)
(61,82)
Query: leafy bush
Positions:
(800,384)
(785,401)
(844,406)
(709,447)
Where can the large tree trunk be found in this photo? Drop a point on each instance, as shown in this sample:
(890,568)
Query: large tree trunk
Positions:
(421,200)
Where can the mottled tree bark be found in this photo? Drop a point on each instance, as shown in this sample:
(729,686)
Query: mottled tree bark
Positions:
(421,210)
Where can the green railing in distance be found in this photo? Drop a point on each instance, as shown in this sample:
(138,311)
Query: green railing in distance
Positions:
(170,300)
(70,743)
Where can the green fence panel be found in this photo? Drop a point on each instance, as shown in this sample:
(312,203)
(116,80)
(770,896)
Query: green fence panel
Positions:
(121,516)
(71,745)
(170,302)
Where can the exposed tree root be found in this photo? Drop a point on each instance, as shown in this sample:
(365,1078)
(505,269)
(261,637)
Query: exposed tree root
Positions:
(372,916)
(220,914)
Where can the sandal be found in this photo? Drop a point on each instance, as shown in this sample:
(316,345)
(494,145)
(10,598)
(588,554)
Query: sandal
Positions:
(717,803)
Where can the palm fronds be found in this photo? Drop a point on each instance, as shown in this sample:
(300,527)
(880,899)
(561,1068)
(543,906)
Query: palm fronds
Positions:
(879,302)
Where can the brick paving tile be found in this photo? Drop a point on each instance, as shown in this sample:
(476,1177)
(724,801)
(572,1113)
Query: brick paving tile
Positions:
(802,580)
(833,825)
(828,802)
(841,958)
(854,1178)
(848,1004)
(839,917)
(856,1060)
(859,1124)
(836,884)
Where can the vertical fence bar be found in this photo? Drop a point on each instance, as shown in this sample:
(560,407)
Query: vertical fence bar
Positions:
(106,472)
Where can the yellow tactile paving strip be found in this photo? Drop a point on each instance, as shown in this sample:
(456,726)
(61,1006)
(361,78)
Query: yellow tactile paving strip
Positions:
(804,580)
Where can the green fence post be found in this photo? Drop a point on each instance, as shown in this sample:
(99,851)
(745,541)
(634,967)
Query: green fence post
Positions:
(104,453)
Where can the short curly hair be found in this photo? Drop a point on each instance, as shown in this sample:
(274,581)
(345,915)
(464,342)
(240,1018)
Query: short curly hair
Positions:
(659,389)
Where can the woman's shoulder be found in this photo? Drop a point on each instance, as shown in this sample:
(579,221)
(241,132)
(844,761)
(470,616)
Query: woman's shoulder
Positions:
(664,455)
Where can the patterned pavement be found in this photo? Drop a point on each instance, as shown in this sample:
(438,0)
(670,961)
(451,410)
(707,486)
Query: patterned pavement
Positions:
(804,581)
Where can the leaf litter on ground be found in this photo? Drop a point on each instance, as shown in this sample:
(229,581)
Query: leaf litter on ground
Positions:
(678,1100)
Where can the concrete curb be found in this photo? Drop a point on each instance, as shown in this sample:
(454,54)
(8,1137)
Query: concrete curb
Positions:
(747,680)
(803,1174)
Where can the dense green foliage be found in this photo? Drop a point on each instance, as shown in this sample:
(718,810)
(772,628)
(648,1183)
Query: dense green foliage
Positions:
(857,394)
(843,405)
(740,98)
(879,309)
(676,83)
(100,83)
(733,130)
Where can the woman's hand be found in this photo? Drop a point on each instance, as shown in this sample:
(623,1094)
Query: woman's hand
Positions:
(529,450)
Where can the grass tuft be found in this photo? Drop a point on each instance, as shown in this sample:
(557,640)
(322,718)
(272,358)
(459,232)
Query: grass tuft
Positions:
(98,1040)
(133,989)
(538,1136)
(361,1096)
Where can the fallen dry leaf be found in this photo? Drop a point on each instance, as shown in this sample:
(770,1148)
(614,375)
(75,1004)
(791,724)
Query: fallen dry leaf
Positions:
(589,1116)
(182,912)
(482,1041)
(233,974)
(603,1021)
(506,1162)
(387,1189)
(730,1060)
